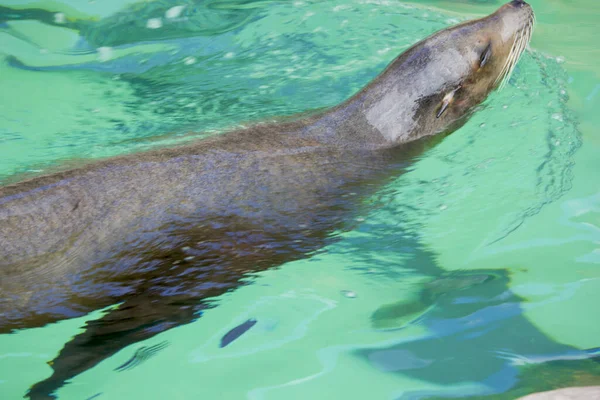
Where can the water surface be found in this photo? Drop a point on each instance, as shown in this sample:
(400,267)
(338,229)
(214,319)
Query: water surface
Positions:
(475,275)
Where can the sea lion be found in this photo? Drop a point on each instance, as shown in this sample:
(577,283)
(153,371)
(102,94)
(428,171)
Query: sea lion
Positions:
(160,232)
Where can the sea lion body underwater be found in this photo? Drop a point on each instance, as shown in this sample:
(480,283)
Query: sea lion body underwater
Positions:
(159,232)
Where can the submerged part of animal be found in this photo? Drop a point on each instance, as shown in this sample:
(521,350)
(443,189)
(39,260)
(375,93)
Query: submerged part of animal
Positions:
(159,232)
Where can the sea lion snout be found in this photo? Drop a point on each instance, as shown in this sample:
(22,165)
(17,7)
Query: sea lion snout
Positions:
(518,3)
(520,6)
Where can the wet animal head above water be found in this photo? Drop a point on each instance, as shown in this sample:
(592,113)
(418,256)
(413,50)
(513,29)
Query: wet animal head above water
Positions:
(491,46)
(433,86)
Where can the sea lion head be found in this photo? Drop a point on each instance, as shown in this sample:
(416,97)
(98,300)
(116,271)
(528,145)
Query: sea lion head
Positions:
(492,46)
(435,85)
(489,49)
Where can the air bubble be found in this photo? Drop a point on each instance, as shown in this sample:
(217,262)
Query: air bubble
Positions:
(154,23)
(104,53)
(60,18)
(174,12)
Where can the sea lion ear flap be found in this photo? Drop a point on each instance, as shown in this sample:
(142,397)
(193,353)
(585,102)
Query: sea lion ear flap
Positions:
(446,101)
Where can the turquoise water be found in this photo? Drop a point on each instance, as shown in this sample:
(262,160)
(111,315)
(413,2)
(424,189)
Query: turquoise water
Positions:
(475,275)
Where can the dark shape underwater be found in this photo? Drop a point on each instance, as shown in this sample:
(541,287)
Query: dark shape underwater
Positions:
(236,332)
(480,336)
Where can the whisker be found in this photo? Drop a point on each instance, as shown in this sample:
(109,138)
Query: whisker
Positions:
(519,45)
(513,52)
(518,53)
(507,67)
(506,62)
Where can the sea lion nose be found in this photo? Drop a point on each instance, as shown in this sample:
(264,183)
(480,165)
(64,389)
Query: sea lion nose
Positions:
(517,3)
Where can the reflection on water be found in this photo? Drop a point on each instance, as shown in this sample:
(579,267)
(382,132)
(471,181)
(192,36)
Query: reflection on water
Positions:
(91,80)
(289,59)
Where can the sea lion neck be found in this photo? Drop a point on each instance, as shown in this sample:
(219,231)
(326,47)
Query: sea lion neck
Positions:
(389,112)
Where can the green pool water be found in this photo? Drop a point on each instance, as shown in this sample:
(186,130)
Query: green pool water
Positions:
(475,275)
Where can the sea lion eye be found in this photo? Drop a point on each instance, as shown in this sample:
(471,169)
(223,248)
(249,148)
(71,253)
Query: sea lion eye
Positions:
(485,56)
